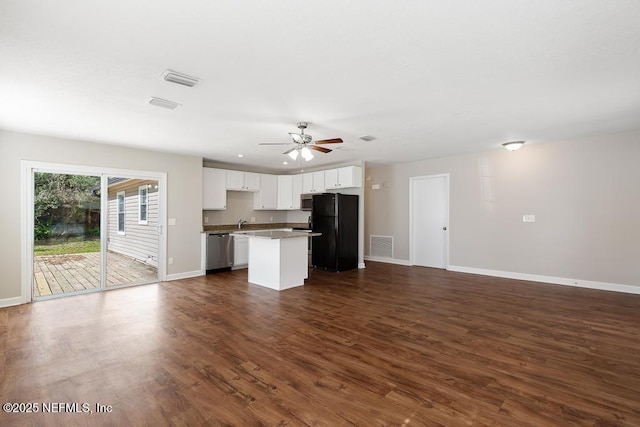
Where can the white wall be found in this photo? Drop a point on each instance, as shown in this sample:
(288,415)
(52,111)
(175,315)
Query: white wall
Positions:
(584,194)
(184,194)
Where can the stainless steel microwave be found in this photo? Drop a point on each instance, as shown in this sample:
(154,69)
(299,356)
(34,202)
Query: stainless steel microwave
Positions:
(306,202)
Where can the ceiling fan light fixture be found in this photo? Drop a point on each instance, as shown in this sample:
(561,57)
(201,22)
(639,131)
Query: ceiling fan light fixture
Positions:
(293,154)
(306,153)
(513,145)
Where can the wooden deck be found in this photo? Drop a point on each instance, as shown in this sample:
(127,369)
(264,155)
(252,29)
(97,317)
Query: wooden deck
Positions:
(58,274)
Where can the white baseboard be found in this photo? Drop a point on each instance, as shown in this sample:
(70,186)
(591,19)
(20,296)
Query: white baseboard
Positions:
(361,265)
(387,260)
(185,275)
(8,302)
(603,286)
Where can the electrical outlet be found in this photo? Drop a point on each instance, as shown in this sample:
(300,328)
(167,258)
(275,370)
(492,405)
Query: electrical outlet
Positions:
(170,260)
(253,219)
(172,221)
(528,218)
(206,219)
(271,218)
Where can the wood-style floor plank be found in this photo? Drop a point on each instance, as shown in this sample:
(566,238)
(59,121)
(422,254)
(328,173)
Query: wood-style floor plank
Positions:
(387,345)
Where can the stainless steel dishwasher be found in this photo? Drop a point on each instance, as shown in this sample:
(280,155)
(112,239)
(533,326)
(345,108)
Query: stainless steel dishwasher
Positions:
(219,251)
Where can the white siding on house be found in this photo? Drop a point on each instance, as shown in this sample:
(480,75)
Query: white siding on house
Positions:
(139,241)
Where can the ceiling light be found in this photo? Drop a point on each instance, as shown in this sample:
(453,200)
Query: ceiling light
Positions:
(179,78)
(293,154)
(164,103)
(367,137)
(513,145)
(240,155)
(306,154)
(285,163)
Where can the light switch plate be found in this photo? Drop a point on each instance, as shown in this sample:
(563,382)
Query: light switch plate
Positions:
(172,221)
(528,218)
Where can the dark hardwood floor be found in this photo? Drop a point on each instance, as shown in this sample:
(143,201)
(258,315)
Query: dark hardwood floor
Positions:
(388,345)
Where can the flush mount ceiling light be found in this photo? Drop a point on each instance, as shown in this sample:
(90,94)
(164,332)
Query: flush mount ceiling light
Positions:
(164,103)
(513,145)
(179,78)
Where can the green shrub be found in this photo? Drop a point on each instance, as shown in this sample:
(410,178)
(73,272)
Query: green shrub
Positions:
(41,231)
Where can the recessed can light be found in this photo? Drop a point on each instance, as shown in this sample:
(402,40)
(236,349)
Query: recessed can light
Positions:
(240,155)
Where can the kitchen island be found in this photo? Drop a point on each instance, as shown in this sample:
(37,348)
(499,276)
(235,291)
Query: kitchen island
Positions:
(277,258)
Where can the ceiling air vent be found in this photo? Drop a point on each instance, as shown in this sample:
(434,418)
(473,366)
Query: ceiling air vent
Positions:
(159,102)
(181,79)
(367,137)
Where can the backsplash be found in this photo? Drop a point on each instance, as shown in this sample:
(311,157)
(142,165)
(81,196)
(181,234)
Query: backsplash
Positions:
(240,206)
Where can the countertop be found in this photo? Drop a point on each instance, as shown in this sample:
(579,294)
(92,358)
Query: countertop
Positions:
(252,226)
(276,234)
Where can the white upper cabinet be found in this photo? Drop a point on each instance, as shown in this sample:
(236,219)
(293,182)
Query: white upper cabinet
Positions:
(346,177)
(296,191)
(243,181)
(289,190)
(267,195)
(313,182)
(214,189)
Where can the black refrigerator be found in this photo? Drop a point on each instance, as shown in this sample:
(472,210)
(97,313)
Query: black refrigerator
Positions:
(336,217)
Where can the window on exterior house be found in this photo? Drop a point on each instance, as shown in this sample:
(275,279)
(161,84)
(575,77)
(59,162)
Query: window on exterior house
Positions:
(120,196)
(143,204)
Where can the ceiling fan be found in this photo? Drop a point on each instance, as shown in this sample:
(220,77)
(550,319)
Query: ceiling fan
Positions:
(303,145)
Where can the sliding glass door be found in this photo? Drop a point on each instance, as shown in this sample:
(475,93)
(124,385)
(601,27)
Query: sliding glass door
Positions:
(132,231)
(91,231)
(66,234)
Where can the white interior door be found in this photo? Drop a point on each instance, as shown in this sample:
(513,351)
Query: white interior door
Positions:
(429,219)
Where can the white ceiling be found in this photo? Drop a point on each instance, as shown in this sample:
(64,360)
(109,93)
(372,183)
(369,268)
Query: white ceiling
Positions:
(426,78)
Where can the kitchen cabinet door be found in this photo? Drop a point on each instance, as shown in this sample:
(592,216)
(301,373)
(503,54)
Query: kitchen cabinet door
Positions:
(289,190)
(307,182)
(313,182)
(296,191)
(331,179)
(252,181)
(214,189)
(285,192)
(267,197)
(235,180)
(318,182)
(346,177)
(243,181)
(240,252)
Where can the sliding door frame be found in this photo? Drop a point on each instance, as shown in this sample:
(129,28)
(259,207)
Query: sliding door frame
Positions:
(28,168)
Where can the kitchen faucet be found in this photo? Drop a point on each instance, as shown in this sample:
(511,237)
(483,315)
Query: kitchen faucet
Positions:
(241,223)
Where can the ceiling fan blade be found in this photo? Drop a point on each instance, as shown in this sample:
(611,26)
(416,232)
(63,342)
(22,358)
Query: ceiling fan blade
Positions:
(275,143)
(321,149)
(330,141)
(288,151)
(296,137)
